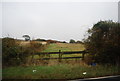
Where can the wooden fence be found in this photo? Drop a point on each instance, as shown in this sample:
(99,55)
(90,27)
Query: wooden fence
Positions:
(60,53)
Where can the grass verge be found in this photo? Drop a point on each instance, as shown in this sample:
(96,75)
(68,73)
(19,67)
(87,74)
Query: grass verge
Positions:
(59,71)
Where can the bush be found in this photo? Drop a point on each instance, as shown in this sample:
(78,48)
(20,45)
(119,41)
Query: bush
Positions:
(40,40)
(10,51)
(15,54)
(103,42)
(72,41)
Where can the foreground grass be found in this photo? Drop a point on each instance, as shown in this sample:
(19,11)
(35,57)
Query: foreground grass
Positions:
(61,71)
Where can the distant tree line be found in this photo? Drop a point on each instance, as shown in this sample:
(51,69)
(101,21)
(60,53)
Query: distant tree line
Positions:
(50,41)
(27,38)
(73,41)
(40,39)
(103,42)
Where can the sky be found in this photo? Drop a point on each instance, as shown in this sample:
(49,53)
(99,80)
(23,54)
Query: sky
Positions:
(119,12)
(54,20)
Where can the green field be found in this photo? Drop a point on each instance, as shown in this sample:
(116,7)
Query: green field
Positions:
(59,71)
(55,47)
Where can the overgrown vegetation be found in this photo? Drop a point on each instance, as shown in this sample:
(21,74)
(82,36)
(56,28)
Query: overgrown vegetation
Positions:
(10,52)
(15,54)
(103,42)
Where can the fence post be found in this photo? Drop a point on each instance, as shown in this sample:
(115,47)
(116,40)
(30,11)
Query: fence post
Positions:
(49,56)
(59,55)
(32,57)
(83,55)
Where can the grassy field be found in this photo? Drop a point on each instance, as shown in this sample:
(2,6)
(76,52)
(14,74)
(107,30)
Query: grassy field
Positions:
(59,71)
(55,47)
(53,69)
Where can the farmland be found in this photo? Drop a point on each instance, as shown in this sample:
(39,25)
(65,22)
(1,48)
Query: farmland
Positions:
(67,69)
(63,47)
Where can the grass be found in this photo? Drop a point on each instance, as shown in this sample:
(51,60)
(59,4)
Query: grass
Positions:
(72,47)
(58,71)
(55,47)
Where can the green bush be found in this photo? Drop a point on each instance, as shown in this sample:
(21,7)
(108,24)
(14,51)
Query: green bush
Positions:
(10,51)
(103,42)
(15,54)
(72,41)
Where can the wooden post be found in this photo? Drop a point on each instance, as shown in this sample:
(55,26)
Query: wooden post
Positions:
(83,56)
(49,56)
(39,56)
(59,55)
(32,57)
(76,60)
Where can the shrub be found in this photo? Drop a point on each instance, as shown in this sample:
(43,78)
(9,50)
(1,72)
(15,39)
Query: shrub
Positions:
(72,41)
(40,40)
(15,54)
(103,42)
(10,51)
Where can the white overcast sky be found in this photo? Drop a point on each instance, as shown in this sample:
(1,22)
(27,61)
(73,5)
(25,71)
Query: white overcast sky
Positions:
(62,20)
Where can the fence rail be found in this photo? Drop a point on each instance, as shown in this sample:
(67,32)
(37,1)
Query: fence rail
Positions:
(67,52)
(60,58)
(63,53)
